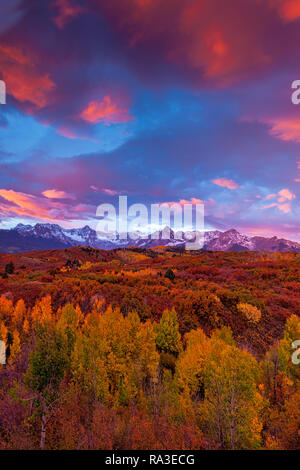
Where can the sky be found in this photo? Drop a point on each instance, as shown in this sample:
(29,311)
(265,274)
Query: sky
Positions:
(160,100)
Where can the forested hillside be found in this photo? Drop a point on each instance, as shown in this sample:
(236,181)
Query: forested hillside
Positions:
(149,349)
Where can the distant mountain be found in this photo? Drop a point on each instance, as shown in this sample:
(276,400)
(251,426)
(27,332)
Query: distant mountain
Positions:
(13,242)
(52,236)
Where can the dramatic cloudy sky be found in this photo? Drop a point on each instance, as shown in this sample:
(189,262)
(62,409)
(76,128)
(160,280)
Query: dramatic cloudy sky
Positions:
(160,100)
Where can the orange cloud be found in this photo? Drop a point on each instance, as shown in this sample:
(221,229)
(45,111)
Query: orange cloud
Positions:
(206,37)
(214,43)
(105,111)
(22,204)
(226,183)
(289,9)
(55,194)
(13,203)
(285,129)
(209,48)
(66,12)
(23,80)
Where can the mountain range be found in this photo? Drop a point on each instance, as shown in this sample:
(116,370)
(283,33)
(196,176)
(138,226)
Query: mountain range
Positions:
(51,236)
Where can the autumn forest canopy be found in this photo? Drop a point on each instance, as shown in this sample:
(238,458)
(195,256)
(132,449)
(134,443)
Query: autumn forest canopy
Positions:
(149,349)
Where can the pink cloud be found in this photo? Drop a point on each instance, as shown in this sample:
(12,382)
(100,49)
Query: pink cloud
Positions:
(22,78)
(285,129)
(286,208)
(192,200)
(65,132)
(67,11)
(110,192)
(284,230)
(285,194)
(55,194)
(105,111)
(226,183)
(283,197)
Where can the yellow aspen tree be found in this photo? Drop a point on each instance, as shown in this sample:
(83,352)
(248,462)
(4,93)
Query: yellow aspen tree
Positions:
(15,348)
(251,313)
(190,366)
(42,311)
(79,315)
(232,403)
(168,338)
(3,332)
(68,324)
(88,359)
(6,308)
(26,327)
(19,313)
(147,358)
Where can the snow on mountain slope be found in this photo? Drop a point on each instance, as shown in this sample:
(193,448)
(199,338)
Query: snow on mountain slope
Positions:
(226,240)
(214,240)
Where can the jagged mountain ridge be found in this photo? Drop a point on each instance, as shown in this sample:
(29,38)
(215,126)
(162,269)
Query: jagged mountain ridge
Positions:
(52,236)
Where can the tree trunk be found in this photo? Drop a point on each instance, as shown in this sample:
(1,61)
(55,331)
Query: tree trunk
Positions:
(43,429)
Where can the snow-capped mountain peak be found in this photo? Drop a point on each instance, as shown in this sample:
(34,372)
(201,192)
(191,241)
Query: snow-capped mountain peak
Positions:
(214,240)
